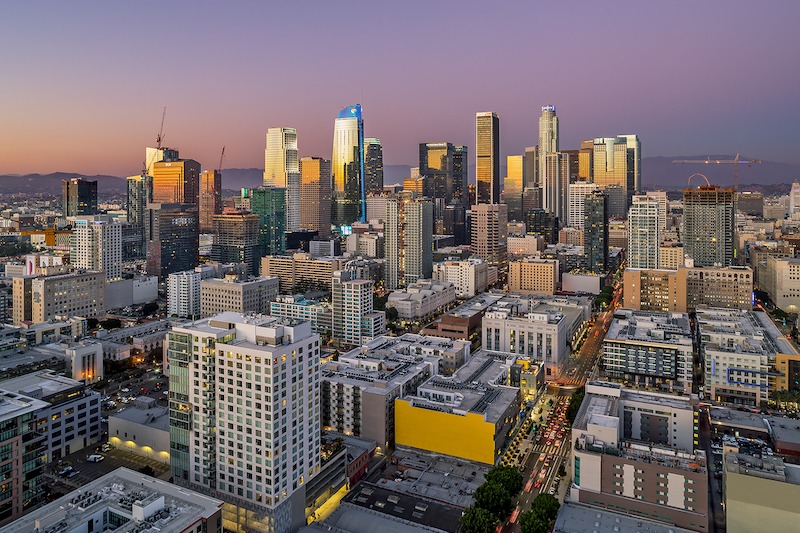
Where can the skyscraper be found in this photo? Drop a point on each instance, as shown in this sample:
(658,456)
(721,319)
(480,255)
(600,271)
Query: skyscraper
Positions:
(595,232)
(585,160)
(78,197)
(176,182)
(635,155)
(353,317)
(373,165)
(96,244)
(548,144)
(513,185)
(138,197)
(489,235)
(408,240)
(487,157)
(269,203)
(210,198)
(347,167)
(460,173)
(172,238)
(709,225)
(315,195)
(794,198)
(644,231)
(282,169)
(577,201)
(155,155)
(236,239)
(614,163)
(555,183)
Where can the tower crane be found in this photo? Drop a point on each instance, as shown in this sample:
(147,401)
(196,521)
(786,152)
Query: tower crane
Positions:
(221,157)
(160,136)
(736,161)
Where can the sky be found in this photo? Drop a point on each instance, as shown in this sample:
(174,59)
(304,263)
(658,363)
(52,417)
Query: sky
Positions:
(83,84)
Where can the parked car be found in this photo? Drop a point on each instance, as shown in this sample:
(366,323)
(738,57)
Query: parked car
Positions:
(105,447)
(95,458)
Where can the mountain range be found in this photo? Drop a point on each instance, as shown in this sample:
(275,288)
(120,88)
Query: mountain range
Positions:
(657,173)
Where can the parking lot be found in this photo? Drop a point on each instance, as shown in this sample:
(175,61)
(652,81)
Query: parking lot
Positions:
(89,471)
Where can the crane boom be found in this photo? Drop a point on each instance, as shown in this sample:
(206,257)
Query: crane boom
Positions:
(221,157)
(160,136)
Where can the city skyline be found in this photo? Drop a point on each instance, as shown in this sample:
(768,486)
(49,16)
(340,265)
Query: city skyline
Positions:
(58,121)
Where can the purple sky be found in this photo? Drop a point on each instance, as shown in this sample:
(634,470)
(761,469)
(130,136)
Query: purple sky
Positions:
(82,84)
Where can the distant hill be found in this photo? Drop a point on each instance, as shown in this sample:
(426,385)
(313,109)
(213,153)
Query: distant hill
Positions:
(50,184)
(237,178)
(662,173)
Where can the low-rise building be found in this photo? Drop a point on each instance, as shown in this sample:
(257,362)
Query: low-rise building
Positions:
(634,452)
(79,293)
(761,493)
(142,429)
(780,279)
(686,289)
(525,245)
(422,298)
(470,276)
(238,294)
(464,322)
(650,349)
(301,272)
(297,306)
(468,415)
(533,276)
(125,501)
(738,350)
(543,329)
(71,419)
(358,390)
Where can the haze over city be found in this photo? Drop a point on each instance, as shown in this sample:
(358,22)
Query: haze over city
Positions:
(84,83)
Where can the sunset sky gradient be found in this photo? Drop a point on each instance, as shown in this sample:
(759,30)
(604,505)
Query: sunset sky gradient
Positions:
(82,84)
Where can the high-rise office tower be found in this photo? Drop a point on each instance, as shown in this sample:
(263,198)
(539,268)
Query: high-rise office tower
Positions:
(282,169)
(794,198)
(555,183)
(530,170)
(489,228)
(576,202)
(443,168)
(210,198)
(614,163)
(585,160)
(269,203)
(156,155)
(172,237)
(373,165)
(635,155)
(78,197)
(258,461)
(548,144)
(540,222)
(460,183)
(138,197)
(236,239)
(643,233)
(408,242)
(347,167)
(315,195)
(513,185)
(96,244)
(487,158)
(709,225)
(663,207)
(176,182)
(595,232)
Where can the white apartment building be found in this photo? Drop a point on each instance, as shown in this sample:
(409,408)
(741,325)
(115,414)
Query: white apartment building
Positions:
(738,351)
(644,231)
(296,306)
(183,290)
(780,278)
(354,319)
(469,276)
(540,328)
(245,415)
(525,245)
(237,294)
(96,244)
(422,298)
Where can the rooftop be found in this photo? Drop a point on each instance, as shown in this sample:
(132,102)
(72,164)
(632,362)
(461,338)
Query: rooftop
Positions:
(634,326)
(578,518)
(741,332)
(145,412)
(143,504)
(763,467)
(48,381)
(476,305)
(13,405)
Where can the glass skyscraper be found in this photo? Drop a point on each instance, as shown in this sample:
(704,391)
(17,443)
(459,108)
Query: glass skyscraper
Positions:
(269,203)
(487,158)
(347,168)
(373,165)
(282,169)
(595,231)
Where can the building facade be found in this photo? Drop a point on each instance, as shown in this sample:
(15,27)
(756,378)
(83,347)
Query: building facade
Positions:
(282,169)
(96,244)
(347,168)
(469,276)
(315,195)
(238,294)
(487,158)
(709,228)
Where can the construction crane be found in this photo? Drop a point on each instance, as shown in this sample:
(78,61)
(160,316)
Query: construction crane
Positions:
(736,161)
(221,157)
(160,136)
(689,181)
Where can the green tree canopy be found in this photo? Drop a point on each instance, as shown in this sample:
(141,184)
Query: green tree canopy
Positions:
(546,506)
(477,520)
(575,404)
(533,522)
(493,497)
(507,476)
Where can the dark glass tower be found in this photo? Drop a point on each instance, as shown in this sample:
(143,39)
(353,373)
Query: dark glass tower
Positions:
(269,203)
(595,231)
(78,197)
(373,165)
(487,158)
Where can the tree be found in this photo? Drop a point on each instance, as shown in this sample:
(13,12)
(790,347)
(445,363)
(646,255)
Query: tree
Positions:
(91,323)
(532,522)
(147,470)
(477,520)
(546,506)
(149,308)
(507,476)
(575,404)
(391,314)
(111,323)
(493,497)
(562,471)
